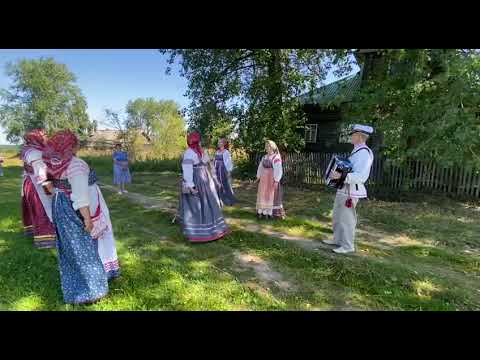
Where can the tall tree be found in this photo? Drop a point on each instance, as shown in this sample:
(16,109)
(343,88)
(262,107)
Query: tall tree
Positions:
(159,121)
(142,114)
(257,88)
(426,103)
(168,130)
(43,94)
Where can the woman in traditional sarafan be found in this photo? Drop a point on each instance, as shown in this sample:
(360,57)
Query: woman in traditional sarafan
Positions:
(200,211)
(223,169)
(36,200)
(270,192)
(121,172)
(82,274)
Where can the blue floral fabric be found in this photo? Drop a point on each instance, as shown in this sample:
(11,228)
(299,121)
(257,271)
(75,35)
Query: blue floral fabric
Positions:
(82,275)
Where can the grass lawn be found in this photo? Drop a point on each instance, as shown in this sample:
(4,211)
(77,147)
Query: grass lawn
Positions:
(422,255)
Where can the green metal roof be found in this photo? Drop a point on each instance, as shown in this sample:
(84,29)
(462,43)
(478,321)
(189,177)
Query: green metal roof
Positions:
(339,91)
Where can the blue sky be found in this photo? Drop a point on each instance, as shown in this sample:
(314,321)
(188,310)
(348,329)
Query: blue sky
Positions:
(110,78)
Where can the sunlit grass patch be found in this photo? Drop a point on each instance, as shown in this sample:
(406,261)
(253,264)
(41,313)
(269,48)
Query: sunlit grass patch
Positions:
(28,303)
(425,288)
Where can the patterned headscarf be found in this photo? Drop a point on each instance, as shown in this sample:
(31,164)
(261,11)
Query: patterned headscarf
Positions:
(59,152)
(35,139)
(193,141)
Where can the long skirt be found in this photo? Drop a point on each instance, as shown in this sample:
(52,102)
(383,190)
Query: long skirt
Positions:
(121,174)
(200,214)
(103,232)
(36,222)
(269,198)
(224,187)
(82,275)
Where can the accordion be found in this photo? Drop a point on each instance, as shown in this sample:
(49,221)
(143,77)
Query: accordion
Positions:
(341,165)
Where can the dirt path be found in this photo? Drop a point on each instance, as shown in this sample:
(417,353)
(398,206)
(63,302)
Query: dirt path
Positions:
(145,201)
(149,203)
(265,275)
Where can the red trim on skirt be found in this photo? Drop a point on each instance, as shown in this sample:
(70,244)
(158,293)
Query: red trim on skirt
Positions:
(35,219)
(203,239)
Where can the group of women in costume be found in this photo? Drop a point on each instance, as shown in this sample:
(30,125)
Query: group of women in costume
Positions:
(63,206)
(205,189)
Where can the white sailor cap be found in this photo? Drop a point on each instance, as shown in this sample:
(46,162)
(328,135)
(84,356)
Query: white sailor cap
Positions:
(362,128)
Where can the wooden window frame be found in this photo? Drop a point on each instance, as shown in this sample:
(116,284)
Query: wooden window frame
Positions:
(308,129)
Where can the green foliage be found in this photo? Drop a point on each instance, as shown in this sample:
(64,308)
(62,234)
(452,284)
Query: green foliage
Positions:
(159,122)
(255,89)
(43,94)
(426,103)
(221,129)
(168,128)
(157,165)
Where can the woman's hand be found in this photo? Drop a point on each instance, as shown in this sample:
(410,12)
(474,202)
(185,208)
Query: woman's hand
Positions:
(275,185)
(87,220)
(335,175)
(88,226)
(48,187)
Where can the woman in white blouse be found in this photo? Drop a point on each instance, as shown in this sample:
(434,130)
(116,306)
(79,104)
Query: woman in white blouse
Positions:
(36,202)
(270,192)
(200,211)
(82,274)
(223,169)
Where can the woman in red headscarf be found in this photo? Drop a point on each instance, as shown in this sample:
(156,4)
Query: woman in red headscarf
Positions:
(82,274)
(36,201)
(200,211)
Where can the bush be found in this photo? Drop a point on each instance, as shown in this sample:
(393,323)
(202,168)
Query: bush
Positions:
(156,165)
(245,165)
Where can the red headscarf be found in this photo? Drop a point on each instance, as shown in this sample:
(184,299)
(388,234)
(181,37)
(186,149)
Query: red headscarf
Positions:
(59,152)
(35,139)
(193,141)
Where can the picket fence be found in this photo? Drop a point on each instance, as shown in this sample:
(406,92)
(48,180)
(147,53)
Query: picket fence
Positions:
(309,169)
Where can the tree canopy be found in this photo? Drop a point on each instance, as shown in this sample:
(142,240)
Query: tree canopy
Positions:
(43,94)
(427,104)
(158,121)
(257,89)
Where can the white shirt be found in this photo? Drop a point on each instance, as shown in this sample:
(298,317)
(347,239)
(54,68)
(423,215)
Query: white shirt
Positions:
(77,175)
(33,158)
(191,158)
(227,160)
(277,167)
(362,161)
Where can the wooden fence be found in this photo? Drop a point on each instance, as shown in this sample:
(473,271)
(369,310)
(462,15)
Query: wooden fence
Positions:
(309,168)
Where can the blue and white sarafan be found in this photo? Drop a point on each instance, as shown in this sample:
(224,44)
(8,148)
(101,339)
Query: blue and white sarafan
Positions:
(341,165)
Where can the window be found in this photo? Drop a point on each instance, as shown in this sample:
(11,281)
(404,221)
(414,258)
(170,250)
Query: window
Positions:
(311,133)
(344,133)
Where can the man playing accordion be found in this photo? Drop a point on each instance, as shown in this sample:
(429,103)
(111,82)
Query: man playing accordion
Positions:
(344,209)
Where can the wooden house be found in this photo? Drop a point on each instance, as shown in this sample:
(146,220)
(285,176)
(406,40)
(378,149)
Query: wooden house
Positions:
(326,128)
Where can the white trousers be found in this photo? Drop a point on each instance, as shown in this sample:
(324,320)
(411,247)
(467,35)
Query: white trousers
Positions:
(344,222)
